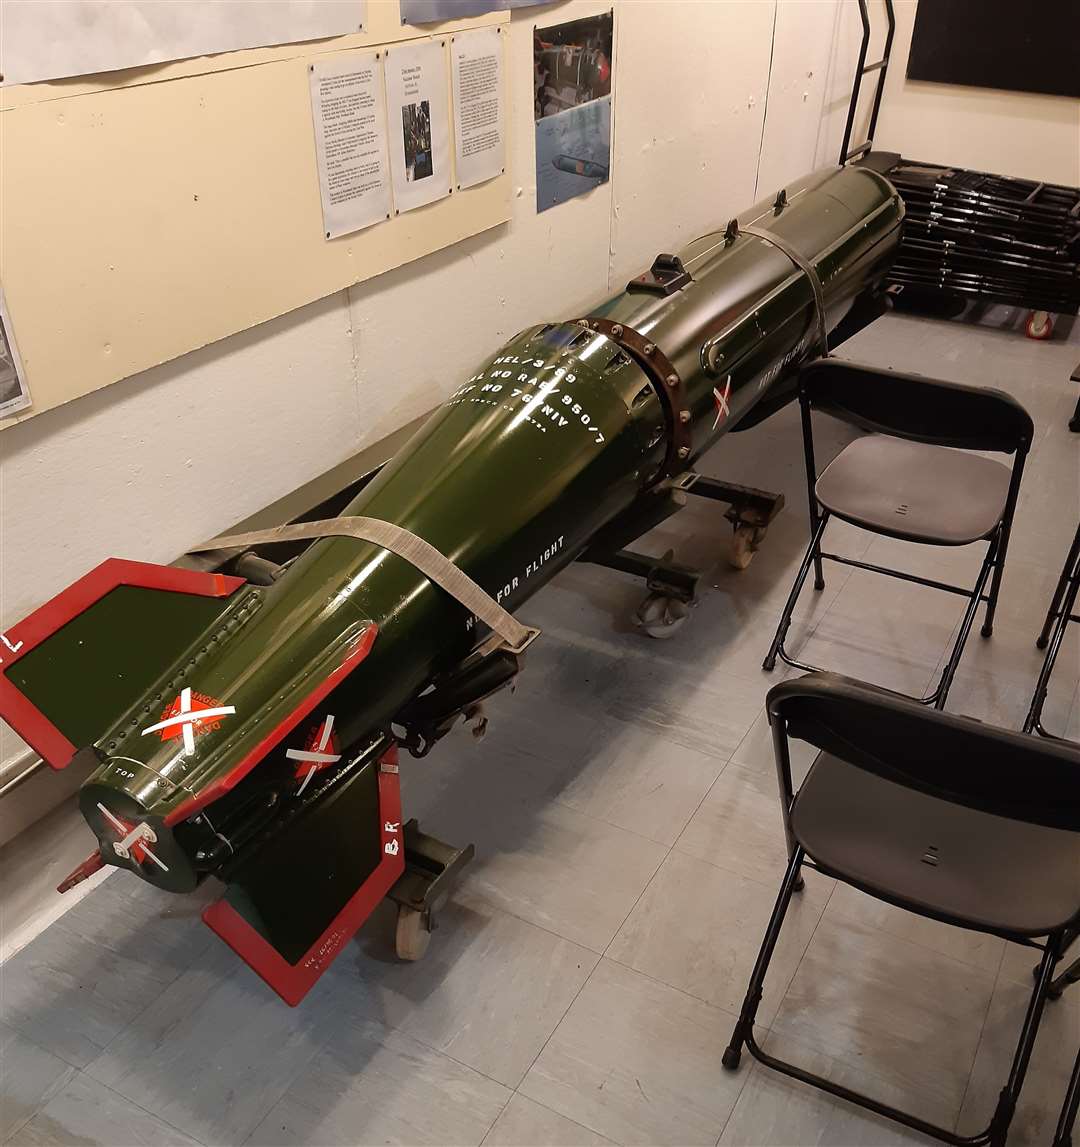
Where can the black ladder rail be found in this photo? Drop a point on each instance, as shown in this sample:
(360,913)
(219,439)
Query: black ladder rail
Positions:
(863,68)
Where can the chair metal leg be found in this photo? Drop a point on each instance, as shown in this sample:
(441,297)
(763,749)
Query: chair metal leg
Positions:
(1006,1105)
(1063,1134)
(813,553)
(1068,571)
(1000,545)
(1065,613)
(940,694)
(1071,975)
(744,1026)
(811,480)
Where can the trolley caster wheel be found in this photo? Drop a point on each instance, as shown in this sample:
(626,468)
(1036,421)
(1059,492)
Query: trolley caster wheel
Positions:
(661,616)
(413,933)
(731,1057)
(745,544)
(1040,325)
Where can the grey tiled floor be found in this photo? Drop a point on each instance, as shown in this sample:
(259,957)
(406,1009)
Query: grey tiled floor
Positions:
(584,980)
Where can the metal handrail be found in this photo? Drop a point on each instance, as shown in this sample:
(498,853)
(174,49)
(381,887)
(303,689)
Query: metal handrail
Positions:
(863,68)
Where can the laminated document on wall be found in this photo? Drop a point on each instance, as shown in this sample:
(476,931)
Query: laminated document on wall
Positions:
(479,106)
(350,141)
(48,39)
(418,122)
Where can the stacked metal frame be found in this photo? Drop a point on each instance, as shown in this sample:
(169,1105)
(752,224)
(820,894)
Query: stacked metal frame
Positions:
(974,236)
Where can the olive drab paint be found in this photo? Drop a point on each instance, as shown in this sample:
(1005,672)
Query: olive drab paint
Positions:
(556,434)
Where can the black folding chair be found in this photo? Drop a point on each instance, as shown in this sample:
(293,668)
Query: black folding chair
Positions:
(936,813)
(1062,611)
(912,479)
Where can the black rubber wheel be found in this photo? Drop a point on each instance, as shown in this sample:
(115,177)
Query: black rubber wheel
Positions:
(1042,642)
(799,884)
(731,1058)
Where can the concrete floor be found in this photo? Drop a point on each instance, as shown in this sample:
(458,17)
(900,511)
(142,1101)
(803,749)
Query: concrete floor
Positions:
(584,980)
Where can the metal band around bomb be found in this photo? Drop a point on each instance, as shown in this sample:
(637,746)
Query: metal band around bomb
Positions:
(666,382)
(808,269)
(419,553)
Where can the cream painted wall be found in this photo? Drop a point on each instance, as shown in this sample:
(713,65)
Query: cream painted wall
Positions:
(155,462)
(1010,133)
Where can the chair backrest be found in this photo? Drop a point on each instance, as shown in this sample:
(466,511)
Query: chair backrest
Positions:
(1014,775)
(918,408)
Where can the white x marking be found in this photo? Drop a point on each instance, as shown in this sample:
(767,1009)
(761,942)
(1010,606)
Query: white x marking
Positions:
(138,835)
(722,399)
(318,755)
(187,718)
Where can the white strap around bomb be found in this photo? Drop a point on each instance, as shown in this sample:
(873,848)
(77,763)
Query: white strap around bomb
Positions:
(431,562)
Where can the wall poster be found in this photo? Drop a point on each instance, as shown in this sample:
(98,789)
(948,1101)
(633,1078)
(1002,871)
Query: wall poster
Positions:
(428,11)
(350,141)
(479,106)
(50,39)
(572,67)
(418,122)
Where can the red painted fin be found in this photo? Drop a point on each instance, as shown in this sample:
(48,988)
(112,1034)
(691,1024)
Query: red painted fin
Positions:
(37,728)
(84,871)
(293,981)
(223,784)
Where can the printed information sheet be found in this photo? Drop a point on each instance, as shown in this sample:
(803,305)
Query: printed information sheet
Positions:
(350,142)
(479,106)
(418,122)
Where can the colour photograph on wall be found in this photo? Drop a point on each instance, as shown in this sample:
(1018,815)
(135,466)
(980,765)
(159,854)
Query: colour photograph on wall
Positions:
(572,63)
(418,111)
(572,75)
(416,133)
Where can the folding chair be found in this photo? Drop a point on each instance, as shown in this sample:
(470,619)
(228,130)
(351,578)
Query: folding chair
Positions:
(940,815)
(912,479)
(1061,612)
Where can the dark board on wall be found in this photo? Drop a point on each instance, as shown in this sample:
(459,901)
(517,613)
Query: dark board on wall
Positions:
(998,44)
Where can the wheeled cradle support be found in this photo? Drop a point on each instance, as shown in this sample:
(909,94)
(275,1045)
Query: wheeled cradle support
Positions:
(431,869)
(673,587)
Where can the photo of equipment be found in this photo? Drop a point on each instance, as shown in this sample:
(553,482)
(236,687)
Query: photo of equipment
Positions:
(416,130)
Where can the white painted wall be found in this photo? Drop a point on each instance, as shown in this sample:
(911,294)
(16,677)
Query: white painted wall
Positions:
(155,462)
(1010,133)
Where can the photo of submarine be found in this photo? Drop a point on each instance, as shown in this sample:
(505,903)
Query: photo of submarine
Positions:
(243,717)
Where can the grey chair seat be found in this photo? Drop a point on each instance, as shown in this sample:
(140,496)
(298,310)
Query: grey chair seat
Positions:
(910,490)
(937,857)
